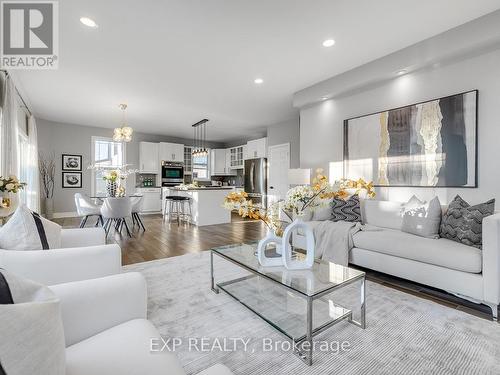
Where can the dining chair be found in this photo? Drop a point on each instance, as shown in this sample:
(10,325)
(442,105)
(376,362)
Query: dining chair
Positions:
(116,211)
(85,208)
(136,210)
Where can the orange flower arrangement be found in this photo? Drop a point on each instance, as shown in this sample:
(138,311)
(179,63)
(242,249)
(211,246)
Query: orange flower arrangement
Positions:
(246,208)
(298,199)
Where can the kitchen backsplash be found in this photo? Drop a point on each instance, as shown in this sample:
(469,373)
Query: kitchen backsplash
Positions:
(231,180)
(145,180)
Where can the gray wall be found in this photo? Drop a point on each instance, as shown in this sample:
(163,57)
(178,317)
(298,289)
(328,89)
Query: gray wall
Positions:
(321,130)
(76,139)
(286,132)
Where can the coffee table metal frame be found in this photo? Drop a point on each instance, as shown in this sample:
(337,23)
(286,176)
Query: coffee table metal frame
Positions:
(305,355)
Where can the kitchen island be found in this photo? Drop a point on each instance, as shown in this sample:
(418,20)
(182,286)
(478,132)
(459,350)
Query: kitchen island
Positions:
(206,203)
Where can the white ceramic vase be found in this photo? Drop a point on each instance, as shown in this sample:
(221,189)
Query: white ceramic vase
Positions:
(111,188)
(271,238)
(9,201)
(49,208)
(290,263)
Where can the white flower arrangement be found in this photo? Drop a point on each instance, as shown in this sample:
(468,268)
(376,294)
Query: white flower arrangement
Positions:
(11,184)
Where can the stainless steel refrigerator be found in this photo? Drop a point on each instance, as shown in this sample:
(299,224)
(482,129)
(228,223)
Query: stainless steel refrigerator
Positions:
(256,180)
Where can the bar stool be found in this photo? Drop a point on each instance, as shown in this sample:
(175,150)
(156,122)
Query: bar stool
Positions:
(175,205)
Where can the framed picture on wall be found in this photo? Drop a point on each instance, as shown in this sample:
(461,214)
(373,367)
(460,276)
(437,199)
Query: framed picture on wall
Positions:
(71,180)
(71,162)
(428,144)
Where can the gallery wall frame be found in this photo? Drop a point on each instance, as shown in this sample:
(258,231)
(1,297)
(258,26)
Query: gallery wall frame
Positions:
(458,144)
(71,180)
(71,162)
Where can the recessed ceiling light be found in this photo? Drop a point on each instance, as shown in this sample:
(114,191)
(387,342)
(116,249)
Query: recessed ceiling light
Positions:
(88,22)
(328,43)
(258,81)
(401,72)
(324,97)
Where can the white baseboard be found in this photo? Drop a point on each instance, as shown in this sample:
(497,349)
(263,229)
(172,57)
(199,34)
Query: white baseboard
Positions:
(58,215)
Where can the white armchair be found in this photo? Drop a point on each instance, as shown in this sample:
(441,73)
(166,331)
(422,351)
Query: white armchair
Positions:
(84,255)
(107,332)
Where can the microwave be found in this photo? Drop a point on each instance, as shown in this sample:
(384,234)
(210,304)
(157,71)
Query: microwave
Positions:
(172,173)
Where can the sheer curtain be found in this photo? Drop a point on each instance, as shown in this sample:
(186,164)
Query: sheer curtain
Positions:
(32,174)
(9,160)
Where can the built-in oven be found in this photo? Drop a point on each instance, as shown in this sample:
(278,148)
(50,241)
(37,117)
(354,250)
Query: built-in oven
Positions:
(172,173)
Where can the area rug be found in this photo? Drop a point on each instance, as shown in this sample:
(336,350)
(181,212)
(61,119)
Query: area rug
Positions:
(404,335)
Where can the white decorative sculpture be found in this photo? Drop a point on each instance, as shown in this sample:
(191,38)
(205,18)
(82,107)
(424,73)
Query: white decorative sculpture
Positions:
(261,250)
(287,248)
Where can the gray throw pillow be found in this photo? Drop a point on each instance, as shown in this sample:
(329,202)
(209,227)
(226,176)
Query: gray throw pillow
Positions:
(422,218)
(346,209)
(32,335)
(464,223)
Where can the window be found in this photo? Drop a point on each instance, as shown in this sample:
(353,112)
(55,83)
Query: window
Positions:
(106,155)
(23,161)
(201,169)
(23,153)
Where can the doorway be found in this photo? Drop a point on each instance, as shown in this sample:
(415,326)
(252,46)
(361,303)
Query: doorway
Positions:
(278,165)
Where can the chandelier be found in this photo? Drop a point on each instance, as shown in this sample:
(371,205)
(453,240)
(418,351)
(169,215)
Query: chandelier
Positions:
(124,132)
(200,138)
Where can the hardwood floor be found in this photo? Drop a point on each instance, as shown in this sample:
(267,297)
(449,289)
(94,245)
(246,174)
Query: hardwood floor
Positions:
(163,240)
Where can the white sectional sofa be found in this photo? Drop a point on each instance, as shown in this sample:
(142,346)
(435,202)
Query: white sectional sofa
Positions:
(466,271)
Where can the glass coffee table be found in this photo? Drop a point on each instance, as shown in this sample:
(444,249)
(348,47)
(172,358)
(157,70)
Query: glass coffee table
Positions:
(298,303)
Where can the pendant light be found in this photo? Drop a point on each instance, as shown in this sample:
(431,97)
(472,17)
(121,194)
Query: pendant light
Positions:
(200,138)
(124,132)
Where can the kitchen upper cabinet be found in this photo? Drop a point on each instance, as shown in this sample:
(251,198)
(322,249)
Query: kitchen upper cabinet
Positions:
(149,162)
(220,162)
(237,157)
(188,160)
(171,152)
(256,149)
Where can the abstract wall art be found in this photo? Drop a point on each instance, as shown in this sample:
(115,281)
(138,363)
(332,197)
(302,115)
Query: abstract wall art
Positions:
(429,144)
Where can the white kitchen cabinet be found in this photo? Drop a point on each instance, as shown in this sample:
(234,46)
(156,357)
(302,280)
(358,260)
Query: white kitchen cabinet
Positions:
(256,148)
(151,201)
(218,161)
(148,157)
(188,160)
(237,157)
(171,152)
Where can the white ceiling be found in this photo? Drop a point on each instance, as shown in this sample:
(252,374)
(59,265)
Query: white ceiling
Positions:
(178,61)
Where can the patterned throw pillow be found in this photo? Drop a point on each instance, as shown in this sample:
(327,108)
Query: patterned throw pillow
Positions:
(464,223)
(346,209)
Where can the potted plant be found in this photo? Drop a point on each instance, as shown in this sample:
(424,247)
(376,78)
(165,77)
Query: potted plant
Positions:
(9,200)
(47,168)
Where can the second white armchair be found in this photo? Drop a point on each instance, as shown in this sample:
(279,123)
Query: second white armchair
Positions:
(84,255)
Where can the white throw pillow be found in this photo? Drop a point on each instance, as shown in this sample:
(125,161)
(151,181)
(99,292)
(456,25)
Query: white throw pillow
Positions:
(323,212)
(26,230)
(383,214)
(422,218)
(32,335)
